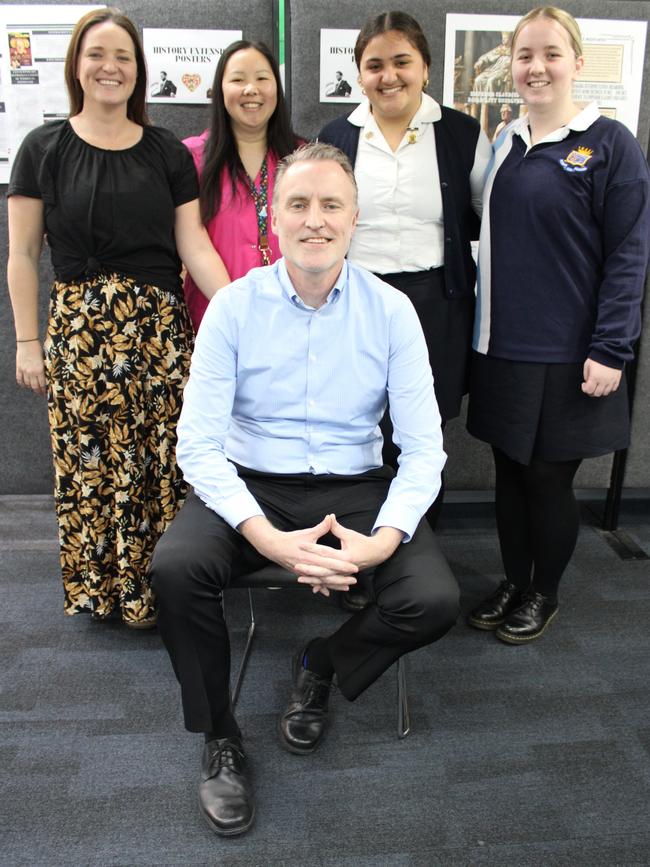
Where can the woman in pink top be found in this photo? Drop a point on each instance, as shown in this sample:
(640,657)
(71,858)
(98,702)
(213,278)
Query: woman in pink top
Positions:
(236,160)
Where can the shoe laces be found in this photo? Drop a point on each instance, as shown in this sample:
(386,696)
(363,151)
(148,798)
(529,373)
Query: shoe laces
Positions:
(226,756)
(534,600)
(314,695)
(317,691)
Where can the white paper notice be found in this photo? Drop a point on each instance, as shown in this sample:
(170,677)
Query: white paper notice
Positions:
(182,63)
(33,44)
(338,71)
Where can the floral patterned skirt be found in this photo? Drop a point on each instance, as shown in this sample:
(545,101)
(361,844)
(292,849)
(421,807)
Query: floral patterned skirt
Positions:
(117,356)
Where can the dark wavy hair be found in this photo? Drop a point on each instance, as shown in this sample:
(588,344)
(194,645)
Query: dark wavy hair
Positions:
(401,22)
(221,147)
(136,106)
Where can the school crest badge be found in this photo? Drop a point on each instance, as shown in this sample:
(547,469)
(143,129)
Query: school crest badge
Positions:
(577,160)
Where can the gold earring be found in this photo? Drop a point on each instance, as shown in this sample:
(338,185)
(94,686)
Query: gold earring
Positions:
(426,84)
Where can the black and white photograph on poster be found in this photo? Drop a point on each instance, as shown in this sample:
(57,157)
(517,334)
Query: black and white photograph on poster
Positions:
(338,71)
(182,63)
(477,78)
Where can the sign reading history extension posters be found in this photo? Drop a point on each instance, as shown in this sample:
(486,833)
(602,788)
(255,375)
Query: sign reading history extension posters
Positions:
(33,44)
(338,71)
(477,77)
(181,63)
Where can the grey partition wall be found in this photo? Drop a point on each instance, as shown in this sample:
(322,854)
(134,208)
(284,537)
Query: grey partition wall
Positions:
(470,465)
(25,463)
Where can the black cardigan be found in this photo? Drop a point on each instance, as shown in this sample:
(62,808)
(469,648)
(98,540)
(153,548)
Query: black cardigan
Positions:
(456,136)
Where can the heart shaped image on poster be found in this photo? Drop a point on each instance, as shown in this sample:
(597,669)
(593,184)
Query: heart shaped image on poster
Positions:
(191,81)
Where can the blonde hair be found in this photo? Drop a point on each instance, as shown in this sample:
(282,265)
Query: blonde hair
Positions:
(564,19)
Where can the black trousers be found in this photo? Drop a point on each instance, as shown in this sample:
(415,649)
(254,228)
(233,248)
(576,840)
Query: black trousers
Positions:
(414,594)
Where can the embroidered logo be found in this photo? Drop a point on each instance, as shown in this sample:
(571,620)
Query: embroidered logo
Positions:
(577,160)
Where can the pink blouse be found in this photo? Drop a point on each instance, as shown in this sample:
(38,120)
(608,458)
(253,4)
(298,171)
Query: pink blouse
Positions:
(233,229)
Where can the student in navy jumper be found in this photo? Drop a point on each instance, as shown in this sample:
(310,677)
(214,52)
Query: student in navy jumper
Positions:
(562,260)
(419,167)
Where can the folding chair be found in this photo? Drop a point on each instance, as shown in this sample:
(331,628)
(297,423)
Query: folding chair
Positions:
(275,578)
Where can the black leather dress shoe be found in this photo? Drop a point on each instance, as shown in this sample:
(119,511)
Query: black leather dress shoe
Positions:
(529,620)
(225,793)
(355,599)
(303,722)
(494,610)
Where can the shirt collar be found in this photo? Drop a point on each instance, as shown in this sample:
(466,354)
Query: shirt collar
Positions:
(582,121)
(428,112)
(290,293)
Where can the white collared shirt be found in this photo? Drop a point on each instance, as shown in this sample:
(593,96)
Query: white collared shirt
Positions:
(583,120)
(400,224)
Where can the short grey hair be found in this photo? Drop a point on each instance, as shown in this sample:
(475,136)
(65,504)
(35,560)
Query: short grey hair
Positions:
(313,152)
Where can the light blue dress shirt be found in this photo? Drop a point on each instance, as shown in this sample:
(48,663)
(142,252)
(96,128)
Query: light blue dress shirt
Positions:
(281,387)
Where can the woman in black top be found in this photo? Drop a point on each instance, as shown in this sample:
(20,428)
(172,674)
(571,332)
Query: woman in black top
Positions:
(117,199)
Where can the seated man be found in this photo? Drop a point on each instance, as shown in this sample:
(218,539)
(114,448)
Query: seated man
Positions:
(279,436)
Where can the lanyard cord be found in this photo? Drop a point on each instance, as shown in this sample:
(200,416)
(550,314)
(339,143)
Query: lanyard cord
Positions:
(260,199)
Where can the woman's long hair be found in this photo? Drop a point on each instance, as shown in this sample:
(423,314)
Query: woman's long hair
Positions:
(221,147)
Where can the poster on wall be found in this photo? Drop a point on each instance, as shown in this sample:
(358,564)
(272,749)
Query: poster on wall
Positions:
(338,71)
(181,63)
(33,44)
(477,77)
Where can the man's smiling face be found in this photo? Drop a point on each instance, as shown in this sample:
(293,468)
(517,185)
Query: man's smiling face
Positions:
(314,215)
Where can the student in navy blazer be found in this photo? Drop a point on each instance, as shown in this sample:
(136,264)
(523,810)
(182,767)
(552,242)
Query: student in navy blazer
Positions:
(419,167)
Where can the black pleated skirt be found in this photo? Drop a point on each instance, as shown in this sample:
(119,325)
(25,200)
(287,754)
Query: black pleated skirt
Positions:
(530,409)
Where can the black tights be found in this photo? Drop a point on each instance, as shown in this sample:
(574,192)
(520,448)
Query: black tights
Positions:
(537,520)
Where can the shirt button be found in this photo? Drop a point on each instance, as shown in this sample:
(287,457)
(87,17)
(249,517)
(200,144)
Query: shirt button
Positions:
(312,403)
(312,357)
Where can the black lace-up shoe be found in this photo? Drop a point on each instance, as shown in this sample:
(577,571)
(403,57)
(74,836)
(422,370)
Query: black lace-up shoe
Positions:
(303,722)
(494,610)
(529,620)
(355,599)
(225,793)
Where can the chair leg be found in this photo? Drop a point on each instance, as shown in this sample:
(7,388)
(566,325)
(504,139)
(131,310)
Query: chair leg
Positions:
(403,716)
(247,651)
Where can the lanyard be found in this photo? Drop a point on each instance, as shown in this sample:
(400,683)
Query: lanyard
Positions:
(260,198)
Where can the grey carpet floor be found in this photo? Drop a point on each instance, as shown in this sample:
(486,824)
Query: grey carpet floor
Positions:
(535,755)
